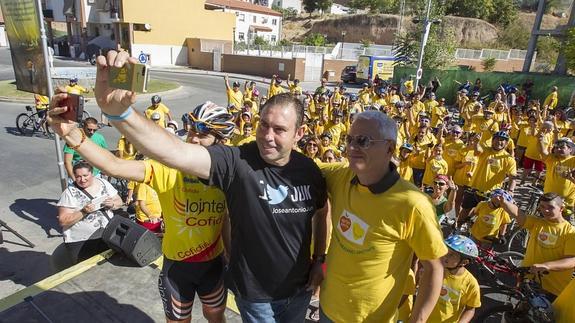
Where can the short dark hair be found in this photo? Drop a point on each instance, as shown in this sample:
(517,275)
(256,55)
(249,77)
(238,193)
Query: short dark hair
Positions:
(90,120)
(82,164)
(286,99)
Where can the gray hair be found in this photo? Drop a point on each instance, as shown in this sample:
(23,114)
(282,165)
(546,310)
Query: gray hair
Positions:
(385,125)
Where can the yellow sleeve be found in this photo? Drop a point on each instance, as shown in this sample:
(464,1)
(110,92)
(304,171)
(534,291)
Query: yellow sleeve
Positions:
(141,192)
(473,298)
(131,185)
(161,178)
(423,234)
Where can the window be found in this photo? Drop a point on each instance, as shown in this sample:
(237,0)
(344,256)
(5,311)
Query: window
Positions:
(242,17)
(264,20)
(273,39)
(255,19)
(241,36)
(274,22)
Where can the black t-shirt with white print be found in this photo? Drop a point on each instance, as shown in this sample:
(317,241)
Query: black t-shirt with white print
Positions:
(270,213)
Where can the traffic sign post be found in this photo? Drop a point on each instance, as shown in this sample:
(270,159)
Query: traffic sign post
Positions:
(143,58)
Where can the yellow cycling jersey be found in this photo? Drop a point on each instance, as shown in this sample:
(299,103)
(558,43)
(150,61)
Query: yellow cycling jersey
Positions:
(193,214)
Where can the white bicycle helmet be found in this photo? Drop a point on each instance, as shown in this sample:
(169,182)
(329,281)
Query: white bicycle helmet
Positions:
(173,123)
(210,117)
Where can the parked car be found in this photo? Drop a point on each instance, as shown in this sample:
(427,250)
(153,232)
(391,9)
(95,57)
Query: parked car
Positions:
(348,74)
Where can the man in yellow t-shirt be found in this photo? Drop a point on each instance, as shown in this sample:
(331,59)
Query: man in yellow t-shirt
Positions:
(560,164)
(372,247)
(460,294)
(551,244)
(148,208)
(235,96)
(245,137)
(533,158)
(275,86)
(493,166)
(195,216)
(158,112)
(551,100)
(74,88)
(294,87)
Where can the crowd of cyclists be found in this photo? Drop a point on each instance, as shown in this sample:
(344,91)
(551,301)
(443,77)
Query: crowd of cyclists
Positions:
(471,157)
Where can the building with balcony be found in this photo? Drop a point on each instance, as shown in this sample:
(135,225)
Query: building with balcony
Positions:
(252,20)
(158,30)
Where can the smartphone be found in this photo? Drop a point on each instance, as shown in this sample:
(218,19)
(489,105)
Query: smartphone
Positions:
(131,77)
(75,104)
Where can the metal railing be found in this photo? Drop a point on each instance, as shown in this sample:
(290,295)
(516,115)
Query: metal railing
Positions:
(352,51)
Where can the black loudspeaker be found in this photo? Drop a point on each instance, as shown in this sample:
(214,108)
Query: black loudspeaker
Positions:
(131,239)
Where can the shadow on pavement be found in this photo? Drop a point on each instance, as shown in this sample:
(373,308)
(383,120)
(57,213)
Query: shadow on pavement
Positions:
(53,306)
(43,212)
(24,267)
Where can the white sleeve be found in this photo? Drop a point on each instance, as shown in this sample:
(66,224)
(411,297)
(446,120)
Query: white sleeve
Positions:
(68,200)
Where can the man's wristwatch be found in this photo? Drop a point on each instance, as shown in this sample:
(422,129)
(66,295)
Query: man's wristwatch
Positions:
(318,258)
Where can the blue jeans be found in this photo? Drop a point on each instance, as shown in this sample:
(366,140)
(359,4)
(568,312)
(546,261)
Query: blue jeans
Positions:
(287,310)
(323,318)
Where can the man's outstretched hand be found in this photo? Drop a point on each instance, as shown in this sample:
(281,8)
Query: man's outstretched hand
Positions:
(110,100)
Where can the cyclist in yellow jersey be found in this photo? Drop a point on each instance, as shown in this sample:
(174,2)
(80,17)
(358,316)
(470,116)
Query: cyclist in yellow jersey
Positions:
(41,102)
(74,88)
(560,164)
(194,214)
(551,100)
(294,87)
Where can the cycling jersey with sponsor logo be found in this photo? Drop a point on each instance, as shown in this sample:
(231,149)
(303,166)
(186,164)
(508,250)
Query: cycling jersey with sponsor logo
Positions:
(550,241)
(270,209)
(193,214)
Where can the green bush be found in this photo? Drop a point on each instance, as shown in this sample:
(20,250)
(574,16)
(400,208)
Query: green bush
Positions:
(314,39)
(488,64)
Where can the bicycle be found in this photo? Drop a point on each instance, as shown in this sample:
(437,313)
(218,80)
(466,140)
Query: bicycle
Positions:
(30,122)
(526,302)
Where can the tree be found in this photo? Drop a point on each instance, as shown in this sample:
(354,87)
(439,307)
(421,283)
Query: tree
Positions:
(569,48)
(260,41)
(309,6)
(314,40)
(439,50)
(488,64)
(366,43)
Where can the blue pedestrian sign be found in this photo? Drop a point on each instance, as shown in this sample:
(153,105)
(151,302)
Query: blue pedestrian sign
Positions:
(143,58)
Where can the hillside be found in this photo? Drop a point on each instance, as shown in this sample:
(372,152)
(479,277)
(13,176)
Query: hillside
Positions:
(380,29)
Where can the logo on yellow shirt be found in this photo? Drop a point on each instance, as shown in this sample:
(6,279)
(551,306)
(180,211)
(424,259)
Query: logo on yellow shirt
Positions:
(493,162)
(352,227)
(547,239)
(488,219)
(449,294)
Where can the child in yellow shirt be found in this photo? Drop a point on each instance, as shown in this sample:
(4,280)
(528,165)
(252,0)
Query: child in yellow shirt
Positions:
(460,294)
(491,218)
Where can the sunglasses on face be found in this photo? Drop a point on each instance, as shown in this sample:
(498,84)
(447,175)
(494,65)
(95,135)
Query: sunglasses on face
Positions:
(91,130)
(440,183)
(362,141)
(200,128)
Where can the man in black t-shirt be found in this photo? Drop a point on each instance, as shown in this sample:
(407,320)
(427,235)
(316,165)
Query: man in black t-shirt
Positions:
(272,192)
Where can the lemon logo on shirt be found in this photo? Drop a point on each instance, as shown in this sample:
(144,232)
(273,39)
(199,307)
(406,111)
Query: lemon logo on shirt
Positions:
(488,219)
(547,238)
(358,227)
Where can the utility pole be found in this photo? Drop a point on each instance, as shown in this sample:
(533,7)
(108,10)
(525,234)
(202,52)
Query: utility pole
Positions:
(426,28)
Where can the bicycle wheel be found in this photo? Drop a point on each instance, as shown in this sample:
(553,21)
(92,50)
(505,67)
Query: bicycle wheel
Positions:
(512,257)
(518,240)
(494,314)
(25,124)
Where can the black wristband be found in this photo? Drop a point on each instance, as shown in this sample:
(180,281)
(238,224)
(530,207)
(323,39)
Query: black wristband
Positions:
(318,258)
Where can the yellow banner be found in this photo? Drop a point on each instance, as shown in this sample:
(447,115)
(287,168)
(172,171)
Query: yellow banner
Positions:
(23,31)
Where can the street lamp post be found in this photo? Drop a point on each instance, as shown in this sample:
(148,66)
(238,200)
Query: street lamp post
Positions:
(427,26)
(343,33)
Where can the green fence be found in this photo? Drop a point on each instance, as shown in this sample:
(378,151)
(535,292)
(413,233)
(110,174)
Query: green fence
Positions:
(490,81)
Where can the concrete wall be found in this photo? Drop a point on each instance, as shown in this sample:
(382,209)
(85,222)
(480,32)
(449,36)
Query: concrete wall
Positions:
(336,66)
(175,20)
(263,66)
(507,65)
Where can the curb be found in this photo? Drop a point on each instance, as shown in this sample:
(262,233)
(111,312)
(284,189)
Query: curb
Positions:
(17,100)
(213,73)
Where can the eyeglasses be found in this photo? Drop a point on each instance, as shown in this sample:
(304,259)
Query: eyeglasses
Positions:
(440,183)
(91,130)
(362,141)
